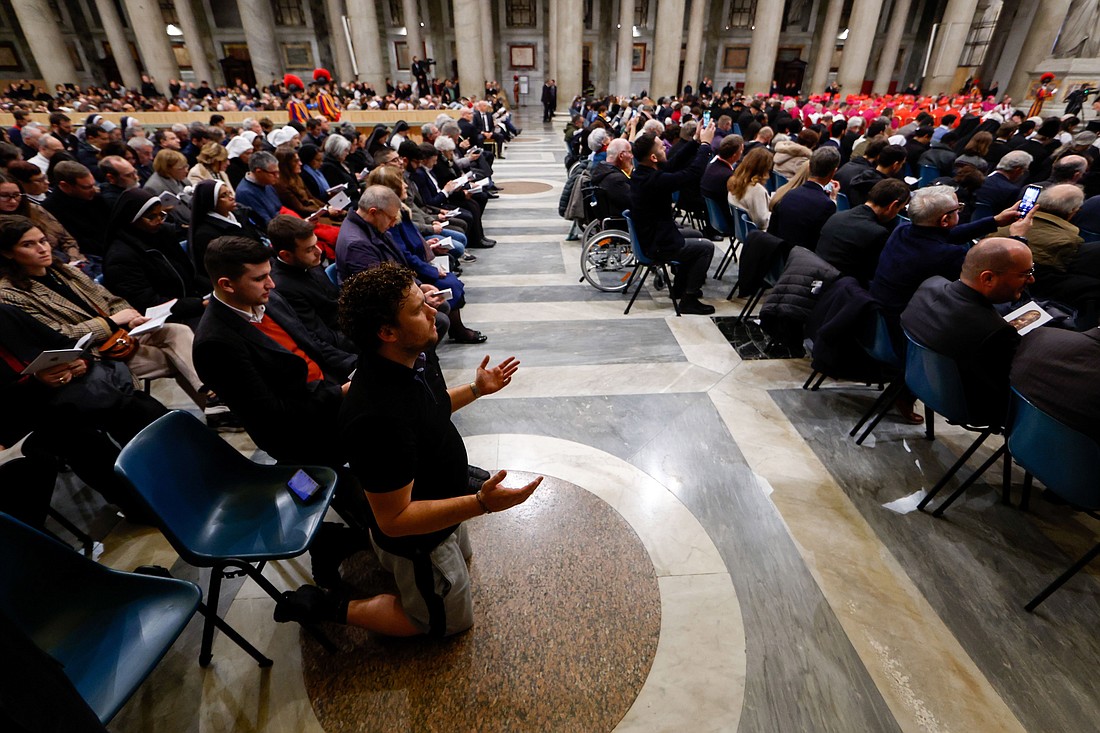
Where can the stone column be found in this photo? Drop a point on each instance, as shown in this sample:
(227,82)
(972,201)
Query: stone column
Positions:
(666,48)
(862,24)
(765,46)
(193,37)
(341,57)
(488,42)
(899,17)
(626,49)
(367,43)
(150,32)
(116,36)
(570,47)
(694,49)
(258,20)
(1040,40)
(950,40)
(39,27)
(823,49)
(413,35)
(552,43)
(471,70)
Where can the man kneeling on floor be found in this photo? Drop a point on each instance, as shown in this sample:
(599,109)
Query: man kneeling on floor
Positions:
(419,498)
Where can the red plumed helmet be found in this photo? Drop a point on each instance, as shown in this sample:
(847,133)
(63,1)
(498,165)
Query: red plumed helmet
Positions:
(321,75)
(1046,78)
(290,81)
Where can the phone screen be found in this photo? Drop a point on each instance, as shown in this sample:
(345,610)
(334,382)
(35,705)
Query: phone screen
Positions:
(706,118)
(1031,195)
(303,486)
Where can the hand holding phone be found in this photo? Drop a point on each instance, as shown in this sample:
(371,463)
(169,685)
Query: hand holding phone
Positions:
(1031,197)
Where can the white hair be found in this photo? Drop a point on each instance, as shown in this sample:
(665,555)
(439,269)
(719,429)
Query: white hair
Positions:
(928,204)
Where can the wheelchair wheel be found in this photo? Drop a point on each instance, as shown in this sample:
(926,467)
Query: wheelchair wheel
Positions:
(607,261)
(591,229)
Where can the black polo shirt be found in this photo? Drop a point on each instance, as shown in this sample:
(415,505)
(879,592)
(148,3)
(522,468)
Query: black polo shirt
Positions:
(395,428)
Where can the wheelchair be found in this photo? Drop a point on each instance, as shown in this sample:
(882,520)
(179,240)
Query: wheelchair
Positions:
(607,259)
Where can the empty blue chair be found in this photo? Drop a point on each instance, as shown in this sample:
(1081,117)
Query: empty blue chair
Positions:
(107,629)
(1065,460)
(646,265)
(842,203)
(935,380)
(220,510)
(928,173)
(718,213)
(332,274)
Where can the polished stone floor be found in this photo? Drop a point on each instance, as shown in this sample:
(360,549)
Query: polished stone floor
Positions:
(790,598)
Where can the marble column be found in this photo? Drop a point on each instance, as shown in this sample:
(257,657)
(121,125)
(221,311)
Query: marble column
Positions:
(193,38)
(552,43)
(862,23)
(692,55)
(488,43)
(116,36)
(823,49)
(258,20)
(625,64)
(950,41)
(151,34)
(899,18)
(765,46)
(43,35)
(570,48)
(341,56)
(367,43)
(1037,47)
(471,69)
(414,35)
(666,48)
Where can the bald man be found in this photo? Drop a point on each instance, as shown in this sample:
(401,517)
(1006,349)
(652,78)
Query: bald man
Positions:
(613,176)
(957,319)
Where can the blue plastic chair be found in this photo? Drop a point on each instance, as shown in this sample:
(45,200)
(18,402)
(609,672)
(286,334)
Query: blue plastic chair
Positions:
(332,274)
(747,228)
(646,265)
(842,203)
(876,342)
(107,629)
(981,211)
(780,180)
(935,380)
(1065,460)
(1089,236)
(928,173)
(220,510)
(718,213)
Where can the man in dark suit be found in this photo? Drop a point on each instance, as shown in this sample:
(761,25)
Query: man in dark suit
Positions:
(719,170)
(612,176)
(549,99)
(284,386)
(485,128)
(1056,370)
(801,214)
(1002,187)
(852,240)
(957,319)
(302,282)
(651,191)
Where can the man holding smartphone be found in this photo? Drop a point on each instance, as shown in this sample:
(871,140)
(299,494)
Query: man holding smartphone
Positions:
(419,498)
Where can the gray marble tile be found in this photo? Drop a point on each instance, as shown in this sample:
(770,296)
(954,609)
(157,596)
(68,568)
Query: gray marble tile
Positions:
(519,258)
(569,343)
(803,674)
(582,291)
(979,565)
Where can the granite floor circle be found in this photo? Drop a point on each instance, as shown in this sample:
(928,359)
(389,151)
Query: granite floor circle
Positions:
(568,613)
(524,187)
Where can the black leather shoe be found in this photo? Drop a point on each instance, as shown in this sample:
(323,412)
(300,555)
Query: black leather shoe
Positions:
(470,337)
(695,307)
(492,194)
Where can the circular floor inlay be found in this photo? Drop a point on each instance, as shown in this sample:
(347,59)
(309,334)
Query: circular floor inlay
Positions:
(523,187)
(568,614)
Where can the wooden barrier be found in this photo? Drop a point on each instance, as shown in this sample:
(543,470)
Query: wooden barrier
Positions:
(359,118)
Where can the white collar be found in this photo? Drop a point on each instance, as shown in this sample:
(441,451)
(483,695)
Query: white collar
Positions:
(229,219)
(256,315)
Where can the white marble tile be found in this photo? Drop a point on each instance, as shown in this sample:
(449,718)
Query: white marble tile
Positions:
(472,280)
(703,344)
(697,681)
(558,311)
(600,379)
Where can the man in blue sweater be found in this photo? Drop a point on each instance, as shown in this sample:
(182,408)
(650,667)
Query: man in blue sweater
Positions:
(257,189)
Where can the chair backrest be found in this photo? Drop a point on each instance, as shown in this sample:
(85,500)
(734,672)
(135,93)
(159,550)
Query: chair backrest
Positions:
(935,379)
(842,203)
(736,129)
(1065,460)
(739,217)
(981,211)
(928,173)
(590,195)
(771,186)
(332,274)
(780,180)
(107,629)
(635,245)
(875,339)
(718,214)
(750,226)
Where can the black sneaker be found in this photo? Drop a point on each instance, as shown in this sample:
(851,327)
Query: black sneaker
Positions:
(307,605)
(469,257)
(218,417)
(695,307)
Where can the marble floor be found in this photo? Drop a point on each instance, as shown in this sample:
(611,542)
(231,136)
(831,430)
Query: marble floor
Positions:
(791,598)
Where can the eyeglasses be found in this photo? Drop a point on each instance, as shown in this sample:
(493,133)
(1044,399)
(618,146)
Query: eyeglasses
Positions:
(11,196)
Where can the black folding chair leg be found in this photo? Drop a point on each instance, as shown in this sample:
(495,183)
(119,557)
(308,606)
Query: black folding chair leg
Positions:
(1073,570)
(1025,494)
(269,587)
(212,620)
(954,469)
(819,382)
(878,410)
(969,481)
(929,423)
(675,302)
(637,289)
(1006,478)
(813,375)
(733,289)
(85,541)
(223,626)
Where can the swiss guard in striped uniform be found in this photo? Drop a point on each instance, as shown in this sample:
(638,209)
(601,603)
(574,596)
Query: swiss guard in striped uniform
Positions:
(295,108)
(326,105)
